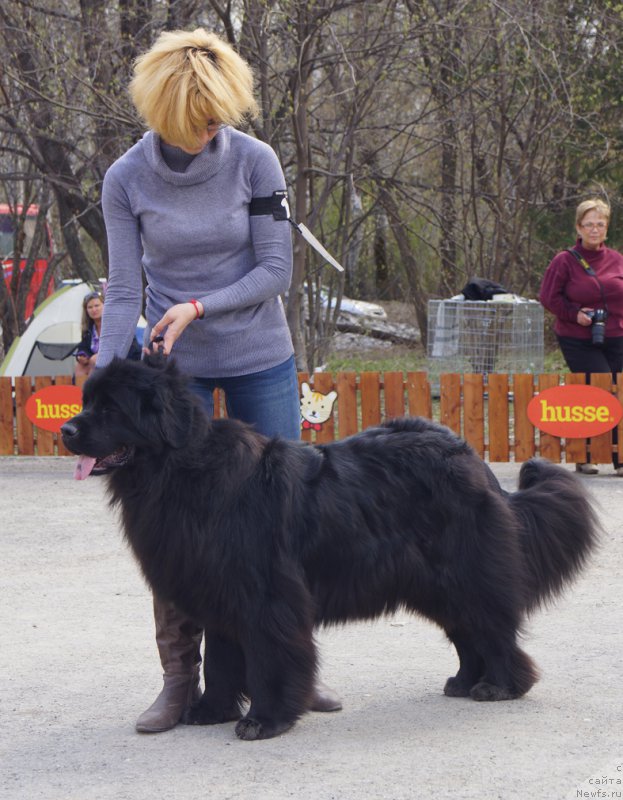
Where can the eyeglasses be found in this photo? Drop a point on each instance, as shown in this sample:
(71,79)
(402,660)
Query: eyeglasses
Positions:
(92,296)
(590,225)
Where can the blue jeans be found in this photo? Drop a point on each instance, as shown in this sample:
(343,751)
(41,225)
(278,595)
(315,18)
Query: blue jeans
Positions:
(268,400)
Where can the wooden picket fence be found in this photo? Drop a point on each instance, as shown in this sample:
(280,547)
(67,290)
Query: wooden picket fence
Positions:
(489,411)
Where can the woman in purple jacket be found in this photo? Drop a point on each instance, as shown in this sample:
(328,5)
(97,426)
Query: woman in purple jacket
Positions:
(583,288)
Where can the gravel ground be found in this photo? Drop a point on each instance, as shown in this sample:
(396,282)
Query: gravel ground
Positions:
(78,664)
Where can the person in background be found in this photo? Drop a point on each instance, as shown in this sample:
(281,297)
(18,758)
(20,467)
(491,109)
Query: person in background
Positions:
(86,353)
(583,288)
(177,206)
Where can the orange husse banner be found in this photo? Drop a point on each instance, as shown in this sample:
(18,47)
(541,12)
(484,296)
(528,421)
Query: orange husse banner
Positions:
(574,411)
(51,407)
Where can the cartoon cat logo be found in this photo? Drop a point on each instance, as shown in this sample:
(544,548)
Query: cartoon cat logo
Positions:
(316,408)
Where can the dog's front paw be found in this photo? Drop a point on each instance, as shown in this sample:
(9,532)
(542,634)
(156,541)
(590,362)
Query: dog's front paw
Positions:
(250,729)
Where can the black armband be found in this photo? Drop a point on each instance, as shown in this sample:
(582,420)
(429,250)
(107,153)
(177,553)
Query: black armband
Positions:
(276,205)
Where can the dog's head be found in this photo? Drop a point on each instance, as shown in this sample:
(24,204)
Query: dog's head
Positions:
(130,407)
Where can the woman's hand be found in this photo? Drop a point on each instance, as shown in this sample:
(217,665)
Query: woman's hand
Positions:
(583,318)
(176,319)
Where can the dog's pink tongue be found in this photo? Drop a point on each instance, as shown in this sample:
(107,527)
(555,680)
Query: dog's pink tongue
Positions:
(84,467)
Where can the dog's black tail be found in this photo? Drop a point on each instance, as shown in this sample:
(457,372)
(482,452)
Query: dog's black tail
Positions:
(559,528)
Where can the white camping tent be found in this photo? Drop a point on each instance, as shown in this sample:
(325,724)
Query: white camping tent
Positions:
(47,345)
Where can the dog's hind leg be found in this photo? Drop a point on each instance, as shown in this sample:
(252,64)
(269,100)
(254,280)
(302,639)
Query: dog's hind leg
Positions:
(489,670)
(509,673)
(471,666)
(486,607)
(224,671)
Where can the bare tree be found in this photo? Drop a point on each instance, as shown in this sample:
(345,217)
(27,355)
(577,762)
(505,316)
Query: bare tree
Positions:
(515,118)
(326,97)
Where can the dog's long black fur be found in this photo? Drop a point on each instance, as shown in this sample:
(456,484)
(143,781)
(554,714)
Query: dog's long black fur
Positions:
(259,540)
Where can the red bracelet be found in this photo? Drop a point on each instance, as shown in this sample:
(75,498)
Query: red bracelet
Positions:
(196,305)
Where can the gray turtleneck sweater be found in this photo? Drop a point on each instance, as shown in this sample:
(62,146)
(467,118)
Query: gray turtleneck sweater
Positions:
(192,235)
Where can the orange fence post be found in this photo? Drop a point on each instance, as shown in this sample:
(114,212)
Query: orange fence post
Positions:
(394,393)
(306,435)
(575,449)
(474,411)
(216,404)
(523,391)
(45,439)
(419,395)
(323,382)
(346,387)
(63,380)
(549,446)
(600,447)
(619,395)
(370,385)
(498,416)
(25,428)
(7,420)
(450,401)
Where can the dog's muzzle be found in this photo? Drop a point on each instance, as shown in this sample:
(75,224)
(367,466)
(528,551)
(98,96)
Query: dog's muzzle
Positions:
(91,465)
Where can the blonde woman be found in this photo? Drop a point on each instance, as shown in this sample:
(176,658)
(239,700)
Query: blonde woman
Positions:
(583,288)
(178,208)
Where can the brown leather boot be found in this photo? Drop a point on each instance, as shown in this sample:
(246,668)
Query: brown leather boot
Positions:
(324,698)
(179,645)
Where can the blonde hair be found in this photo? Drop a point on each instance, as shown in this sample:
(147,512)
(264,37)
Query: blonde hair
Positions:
(188,78)
(594,204)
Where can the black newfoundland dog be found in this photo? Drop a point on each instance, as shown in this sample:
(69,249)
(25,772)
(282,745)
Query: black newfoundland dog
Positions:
(259,540)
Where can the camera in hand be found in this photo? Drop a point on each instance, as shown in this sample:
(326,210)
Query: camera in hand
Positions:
(598,327)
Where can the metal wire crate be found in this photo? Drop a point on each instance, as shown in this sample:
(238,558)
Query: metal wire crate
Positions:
(484,336)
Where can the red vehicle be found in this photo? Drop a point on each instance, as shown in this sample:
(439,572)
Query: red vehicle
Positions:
(7,232)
